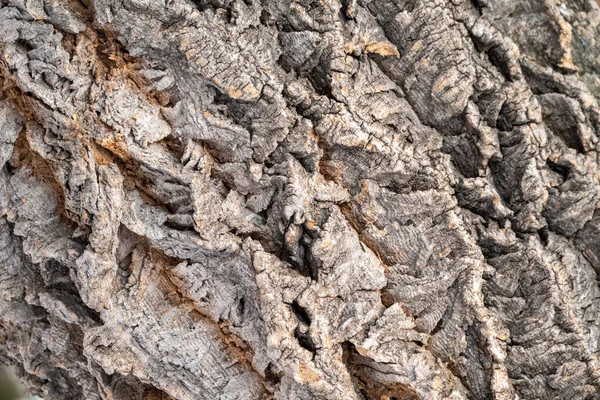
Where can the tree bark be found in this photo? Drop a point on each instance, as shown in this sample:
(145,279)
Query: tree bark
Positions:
(300,199)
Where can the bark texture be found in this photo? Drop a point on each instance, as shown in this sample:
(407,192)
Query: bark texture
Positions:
(300,199)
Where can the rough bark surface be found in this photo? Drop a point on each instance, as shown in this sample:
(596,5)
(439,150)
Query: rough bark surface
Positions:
(300,199)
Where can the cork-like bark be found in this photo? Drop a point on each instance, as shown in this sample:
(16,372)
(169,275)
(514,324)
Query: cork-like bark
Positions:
(300,199)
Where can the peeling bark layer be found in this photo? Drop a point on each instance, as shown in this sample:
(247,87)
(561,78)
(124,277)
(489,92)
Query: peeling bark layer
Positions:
(276,199)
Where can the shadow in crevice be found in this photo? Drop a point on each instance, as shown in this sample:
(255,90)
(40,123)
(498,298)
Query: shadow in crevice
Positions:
(364,382)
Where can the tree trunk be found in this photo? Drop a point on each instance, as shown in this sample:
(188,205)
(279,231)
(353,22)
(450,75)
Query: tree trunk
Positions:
(300,199)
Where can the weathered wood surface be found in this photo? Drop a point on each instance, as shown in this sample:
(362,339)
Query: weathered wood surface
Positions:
(307,199)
